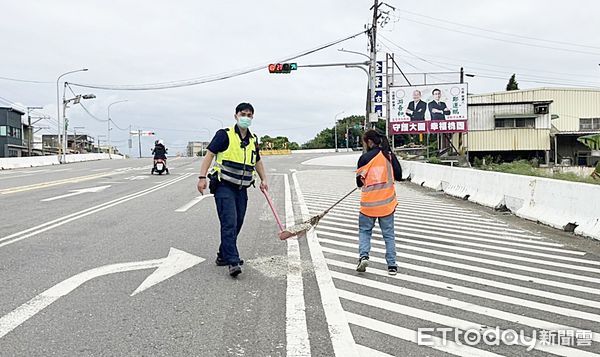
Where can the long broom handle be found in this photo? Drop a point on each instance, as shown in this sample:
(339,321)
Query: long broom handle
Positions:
(340,200)
(270,202)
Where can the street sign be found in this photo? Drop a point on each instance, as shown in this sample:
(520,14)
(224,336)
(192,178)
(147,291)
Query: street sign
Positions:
(379,111)
(379,67)
(378,82)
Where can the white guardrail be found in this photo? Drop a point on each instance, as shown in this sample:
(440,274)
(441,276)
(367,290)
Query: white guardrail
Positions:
(32,161)
(569,206)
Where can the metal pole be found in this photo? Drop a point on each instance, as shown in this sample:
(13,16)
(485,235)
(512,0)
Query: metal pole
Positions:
(140,141)
(335,129)
(58,105)
(108,122)
(347,136)
(65,137)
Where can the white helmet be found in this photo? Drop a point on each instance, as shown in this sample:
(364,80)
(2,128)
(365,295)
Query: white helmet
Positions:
(161,142)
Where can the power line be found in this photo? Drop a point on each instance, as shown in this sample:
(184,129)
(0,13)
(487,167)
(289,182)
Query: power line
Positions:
(212,78)
(495,31)
(24,80)
(85,108)
(438,27)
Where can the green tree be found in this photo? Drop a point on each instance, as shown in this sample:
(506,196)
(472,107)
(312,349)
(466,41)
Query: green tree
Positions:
(512,83)
(277,143)
(326,139)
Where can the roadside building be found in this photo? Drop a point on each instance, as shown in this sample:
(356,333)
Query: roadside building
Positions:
(543,123)
(11,133)
(196,148)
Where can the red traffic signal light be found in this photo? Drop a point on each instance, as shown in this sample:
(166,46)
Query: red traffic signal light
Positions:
(282,67)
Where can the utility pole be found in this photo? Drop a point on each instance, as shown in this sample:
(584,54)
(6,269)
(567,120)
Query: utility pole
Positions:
(372,61)
(29,140)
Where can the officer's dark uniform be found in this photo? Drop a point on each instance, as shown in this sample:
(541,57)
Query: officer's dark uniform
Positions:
(232,174)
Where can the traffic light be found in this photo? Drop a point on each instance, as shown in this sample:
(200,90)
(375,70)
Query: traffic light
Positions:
(282,67)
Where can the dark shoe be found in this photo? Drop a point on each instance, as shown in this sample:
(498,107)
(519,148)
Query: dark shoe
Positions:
(221,263)
(235,270)
(363,263)
(393,270)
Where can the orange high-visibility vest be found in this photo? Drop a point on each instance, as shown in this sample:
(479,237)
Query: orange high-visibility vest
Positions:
(378,196)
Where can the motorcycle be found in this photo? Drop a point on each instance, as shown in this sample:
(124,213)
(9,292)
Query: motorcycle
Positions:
(159,167)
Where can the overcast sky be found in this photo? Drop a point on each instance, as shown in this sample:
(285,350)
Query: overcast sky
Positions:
(137,42)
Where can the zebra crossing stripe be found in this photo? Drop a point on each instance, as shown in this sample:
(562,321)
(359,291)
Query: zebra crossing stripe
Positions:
(424,229)
(417,246)
(480,293)
(435,225)
(404,231)
(489,282)
(400,220)
(442,300)
(411,336)
(501,273)
(414,209)
(365,351)
(447,321)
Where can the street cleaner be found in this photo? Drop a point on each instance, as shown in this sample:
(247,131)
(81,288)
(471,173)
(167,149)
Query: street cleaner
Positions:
(237,159)
(377,170)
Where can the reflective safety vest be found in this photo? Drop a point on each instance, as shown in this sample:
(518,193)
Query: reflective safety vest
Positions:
(236,164)
(378,196)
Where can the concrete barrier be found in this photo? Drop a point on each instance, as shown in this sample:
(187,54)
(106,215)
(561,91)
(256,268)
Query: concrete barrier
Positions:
(34,161)
(320,151)
(569,206)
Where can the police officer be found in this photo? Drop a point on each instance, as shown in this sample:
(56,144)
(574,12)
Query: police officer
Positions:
(237,161)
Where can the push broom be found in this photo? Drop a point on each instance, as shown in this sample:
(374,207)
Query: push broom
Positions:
(285,233)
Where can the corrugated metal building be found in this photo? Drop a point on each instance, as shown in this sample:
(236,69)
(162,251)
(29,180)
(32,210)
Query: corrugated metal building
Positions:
(542,122)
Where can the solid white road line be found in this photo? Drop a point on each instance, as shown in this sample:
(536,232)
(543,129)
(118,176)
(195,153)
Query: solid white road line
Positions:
(193,202)
(339,330)
(297,341)
(484,294)
(487,261)
(30,232)
(442,300)
(447,346)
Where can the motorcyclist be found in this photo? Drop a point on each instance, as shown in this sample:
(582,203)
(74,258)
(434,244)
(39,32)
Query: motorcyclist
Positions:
(159,151)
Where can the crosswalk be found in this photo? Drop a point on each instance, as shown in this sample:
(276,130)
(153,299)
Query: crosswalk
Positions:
(461,271)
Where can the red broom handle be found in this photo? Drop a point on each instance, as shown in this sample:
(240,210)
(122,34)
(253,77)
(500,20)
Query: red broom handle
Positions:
(270,202)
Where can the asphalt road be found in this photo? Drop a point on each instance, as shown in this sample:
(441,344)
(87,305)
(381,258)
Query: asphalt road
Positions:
(77,240)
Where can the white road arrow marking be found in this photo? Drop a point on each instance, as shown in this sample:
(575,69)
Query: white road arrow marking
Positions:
(176,262)
(77,192)
(192,203)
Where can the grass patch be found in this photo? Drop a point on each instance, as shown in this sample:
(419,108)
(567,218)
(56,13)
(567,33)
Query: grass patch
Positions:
(524,167)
